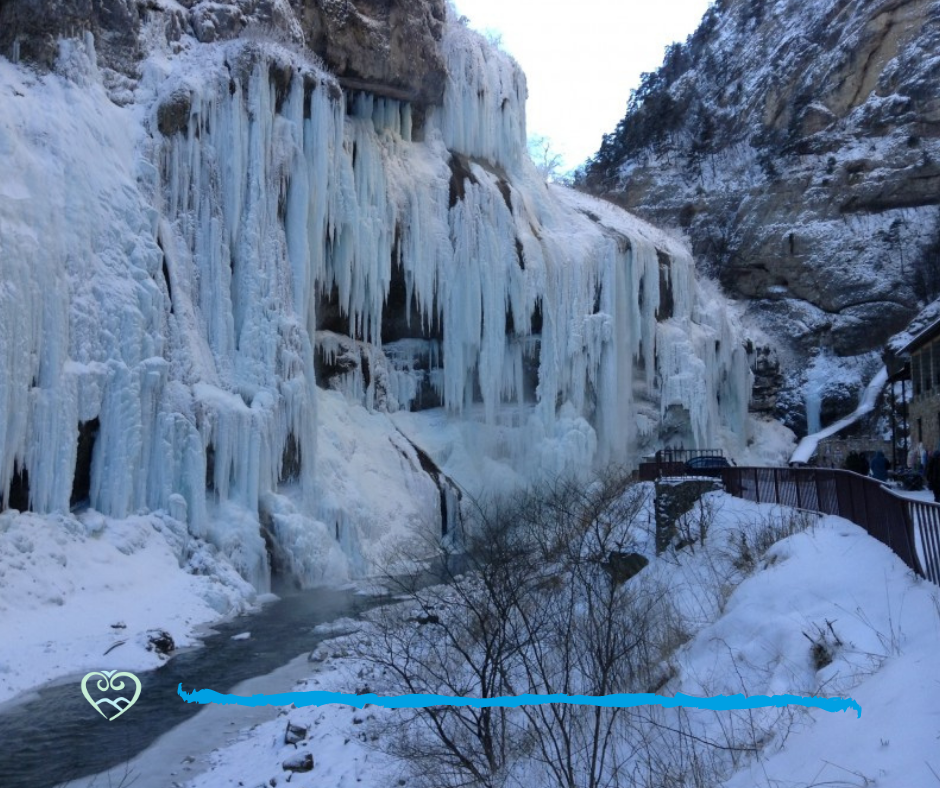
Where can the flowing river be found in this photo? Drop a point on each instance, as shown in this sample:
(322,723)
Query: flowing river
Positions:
(55,736)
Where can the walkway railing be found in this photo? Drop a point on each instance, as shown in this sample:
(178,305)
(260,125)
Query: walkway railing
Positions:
(684,455)
(909,527)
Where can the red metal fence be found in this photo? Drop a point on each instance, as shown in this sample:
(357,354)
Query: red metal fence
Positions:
(910,528)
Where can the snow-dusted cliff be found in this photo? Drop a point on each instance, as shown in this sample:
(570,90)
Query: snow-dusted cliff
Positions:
(797,143)
(235,291)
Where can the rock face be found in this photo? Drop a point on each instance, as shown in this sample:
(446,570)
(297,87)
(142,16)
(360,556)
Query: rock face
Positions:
(30,29)
(388,47)
(768,379)
(797,145)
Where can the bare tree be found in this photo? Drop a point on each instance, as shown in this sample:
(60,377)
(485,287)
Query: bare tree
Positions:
(540,606)
(539,611)
(547,160)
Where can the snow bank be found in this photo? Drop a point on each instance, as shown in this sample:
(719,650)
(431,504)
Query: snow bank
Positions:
(888,624)
(829,581)
(81,592)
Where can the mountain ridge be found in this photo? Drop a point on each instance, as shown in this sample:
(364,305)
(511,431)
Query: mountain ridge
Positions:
(798,147)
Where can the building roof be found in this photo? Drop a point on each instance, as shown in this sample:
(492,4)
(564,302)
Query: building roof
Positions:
(931,332)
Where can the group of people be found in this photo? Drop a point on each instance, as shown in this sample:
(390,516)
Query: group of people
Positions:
(919,462)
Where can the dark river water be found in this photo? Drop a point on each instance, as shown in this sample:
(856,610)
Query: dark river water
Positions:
(59,737)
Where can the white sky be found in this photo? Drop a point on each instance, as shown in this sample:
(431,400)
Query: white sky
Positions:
(583,58)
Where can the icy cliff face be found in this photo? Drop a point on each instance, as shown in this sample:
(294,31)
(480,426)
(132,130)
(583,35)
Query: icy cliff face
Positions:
(180,274)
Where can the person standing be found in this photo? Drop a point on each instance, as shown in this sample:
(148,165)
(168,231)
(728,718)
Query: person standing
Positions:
(879,466)
(933,474)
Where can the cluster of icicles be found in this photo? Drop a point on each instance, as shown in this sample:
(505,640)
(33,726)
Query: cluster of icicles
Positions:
(277,196)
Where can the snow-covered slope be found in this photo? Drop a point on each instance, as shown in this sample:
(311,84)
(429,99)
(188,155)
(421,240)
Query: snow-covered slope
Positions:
(84,592)
(826,612)
(179,273)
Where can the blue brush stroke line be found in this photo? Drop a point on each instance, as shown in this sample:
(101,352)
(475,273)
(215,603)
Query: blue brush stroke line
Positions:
(720,703)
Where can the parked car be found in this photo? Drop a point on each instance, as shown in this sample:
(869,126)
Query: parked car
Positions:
(707,465)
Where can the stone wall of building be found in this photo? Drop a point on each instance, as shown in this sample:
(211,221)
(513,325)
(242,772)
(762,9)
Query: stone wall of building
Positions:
(833,452)
(925,400)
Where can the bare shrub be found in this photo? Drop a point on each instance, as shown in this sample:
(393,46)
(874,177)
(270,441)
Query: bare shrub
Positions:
(754,540)
(535,609)
(824,645)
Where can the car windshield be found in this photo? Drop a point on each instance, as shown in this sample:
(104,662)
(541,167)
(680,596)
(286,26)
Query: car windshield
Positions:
(707,462)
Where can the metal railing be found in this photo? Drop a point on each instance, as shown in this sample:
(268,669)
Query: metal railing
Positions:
(684,455)
(671,462)
(911,528)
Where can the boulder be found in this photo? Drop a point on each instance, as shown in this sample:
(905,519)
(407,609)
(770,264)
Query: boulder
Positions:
(302,762)
(622,566)
(295,734)
(160,641)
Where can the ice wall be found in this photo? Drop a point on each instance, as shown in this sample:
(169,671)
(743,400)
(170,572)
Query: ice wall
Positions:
(174,272)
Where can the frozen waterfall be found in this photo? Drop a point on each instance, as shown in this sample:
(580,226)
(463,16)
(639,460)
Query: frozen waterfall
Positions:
(179,275)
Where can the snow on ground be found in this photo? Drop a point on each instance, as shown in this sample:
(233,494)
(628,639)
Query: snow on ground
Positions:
(769,443)
(830,582)
(75,586)
(914,495)
(344,741)
(889,625)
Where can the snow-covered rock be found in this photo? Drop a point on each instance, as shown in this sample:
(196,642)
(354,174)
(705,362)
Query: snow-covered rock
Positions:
(797,144)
